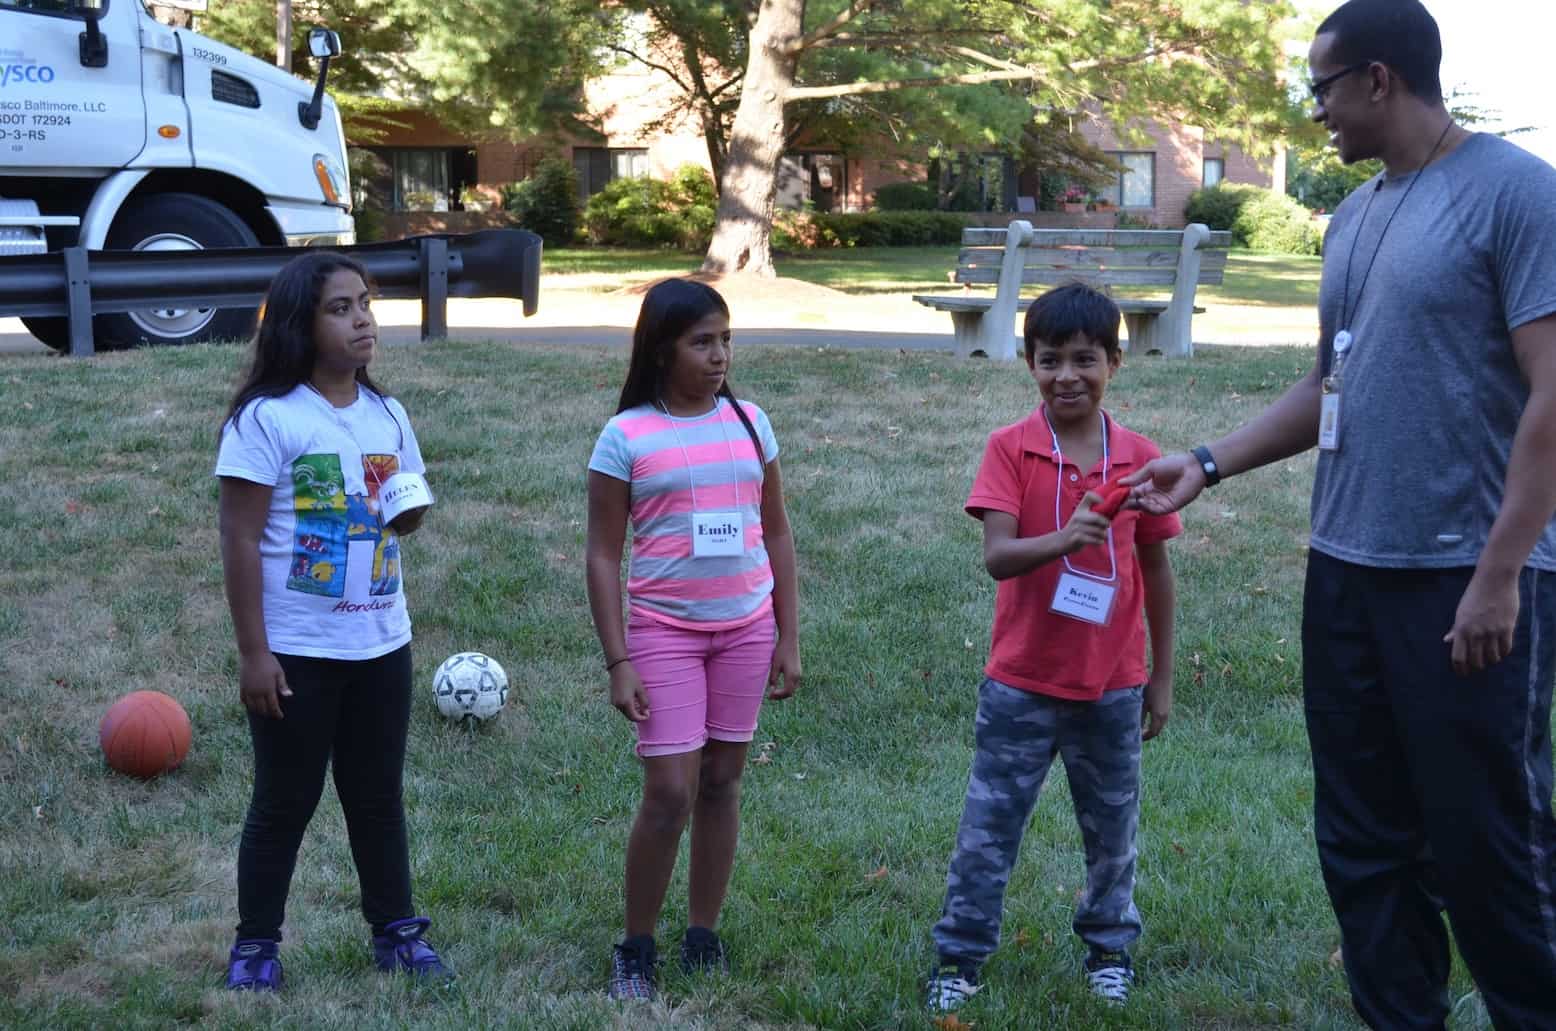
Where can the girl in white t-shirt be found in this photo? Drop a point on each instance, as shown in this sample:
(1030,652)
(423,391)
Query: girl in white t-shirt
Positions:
(313,578)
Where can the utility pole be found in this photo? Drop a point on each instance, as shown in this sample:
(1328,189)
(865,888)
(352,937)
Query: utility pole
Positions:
(284,34)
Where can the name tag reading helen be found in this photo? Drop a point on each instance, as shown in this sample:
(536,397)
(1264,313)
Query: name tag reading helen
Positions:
(718,534)
(1083,598)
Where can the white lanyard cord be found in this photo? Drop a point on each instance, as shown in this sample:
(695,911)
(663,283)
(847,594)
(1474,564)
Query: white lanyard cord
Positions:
(1059,492)
(368,468)
(691,476)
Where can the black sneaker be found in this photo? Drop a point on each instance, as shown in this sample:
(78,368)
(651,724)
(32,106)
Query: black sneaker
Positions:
(703,953)
(951,984)
(1110,975)
(632,969)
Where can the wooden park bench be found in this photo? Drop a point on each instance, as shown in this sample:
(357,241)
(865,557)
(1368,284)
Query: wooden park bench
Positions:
(1105,258)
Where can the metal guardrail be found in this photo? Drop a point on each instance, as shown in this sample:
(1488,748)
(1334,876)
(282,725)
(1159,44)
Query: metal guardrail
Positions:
(77,284)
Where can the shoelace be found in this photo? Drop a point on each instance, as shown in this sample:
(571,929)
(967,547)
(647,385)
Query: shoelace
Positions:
(632,974)
(1111,982)
(948,991)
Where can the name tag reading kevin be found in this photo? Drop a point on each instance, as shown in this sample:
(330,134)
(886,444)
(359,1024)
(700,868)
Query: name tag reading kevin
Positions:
(1083,598)
(718,534)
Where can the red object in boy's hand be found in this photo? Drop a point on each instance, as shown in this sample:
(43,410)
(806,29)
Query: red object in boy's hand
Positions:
(1114,494)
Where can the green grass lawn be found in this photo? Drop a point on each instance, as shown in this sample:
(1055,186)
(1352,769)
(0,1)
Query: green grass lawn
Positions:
(116,897)
(1254,279)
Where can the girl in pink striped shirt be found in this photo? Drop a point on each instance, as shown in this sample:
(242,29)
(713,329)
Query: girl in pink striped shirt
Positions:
(712,602)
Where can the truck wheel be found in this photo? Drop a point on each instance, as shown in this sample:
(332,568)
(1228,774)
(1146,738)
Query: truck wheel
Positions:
(54,332)
(175,222)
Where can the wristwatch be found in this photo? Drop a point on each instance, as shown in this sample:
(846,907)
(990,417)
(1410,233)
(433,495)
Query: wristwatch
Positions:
(1208,464)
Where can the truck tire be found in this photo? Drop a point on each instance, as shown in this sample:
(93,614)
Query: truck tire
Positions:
(174,221)
(52,331)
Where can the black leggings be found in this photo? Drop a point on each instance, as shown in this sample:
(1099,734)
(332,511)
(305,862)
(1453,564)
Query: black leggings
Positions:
(353,714)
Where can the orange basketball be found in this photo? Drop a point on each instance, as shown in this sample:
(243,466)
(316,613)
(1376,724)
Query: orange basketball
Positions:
(144,733)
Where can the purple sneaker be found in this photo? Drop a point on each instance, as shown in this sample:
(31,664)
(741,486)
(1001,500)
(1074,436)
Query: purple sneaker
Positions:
(401,947)
(254,966)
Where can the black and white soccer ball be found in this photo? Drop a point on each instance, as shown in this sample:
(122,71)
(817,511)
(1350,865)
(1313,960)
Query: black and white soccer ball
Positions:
(469,685)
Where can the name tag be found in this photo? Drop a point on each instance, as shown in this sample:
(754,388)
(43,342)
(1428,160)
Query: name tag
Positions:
(1083,598)
(1329,423)
(718,534)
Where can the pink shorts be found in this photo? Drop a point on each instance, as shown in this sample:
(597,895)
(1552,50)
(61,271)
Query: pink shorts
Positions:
(700,684)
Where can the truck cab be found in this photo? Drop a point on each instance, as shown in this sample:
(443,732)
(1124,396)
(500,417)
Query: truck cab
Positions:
(118,132)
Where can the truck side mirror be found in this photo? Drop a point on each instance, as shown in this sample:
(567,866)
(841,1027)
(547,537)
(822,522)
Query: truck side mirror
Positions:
(324,43)
(93,45)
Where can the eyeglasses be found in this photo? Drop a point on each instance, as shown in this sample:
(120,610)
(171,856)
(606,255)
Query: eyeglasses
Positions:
(1320,87)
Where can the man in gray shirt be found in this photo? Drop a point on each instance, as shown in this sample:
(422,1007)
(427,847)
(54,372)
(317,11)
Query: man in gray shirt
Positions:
(1429,617)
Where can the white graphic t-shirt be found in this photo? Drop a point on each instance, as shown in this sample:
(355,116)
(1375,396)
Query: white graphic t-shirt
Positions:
(331,571)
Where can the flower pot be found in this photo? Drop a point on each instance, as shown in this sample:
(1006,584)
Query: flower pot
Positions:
(1072,207)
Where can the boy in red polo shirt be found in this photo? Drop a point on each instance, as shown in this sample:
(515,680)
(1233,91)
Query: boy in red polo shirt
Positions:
(1066,673)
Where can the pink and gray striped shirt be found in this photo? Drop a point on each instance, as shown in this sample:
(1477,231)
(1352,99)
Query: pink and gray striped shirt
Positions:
(666,459)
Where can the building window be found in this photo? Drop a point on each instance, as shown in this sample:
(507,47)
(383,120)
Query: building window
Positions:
(1135,186)
(1215,171)
(420,179)
(412,178)
(597,166)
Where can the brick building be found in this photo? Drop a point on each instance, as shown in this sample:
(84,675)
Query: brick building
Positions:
(431,178)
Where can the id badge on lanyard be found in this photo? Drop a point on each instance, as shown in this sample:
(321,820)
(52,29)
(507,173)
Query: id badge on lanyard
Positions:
(1079,595)
(718,534)
(1084,598)
(1329,401)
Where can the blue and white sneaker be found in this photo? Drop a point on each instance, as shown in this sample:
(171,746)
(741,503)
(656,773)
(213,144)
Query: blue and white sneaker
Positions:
(254,965)
(951,984)
(1110,975)
(402,948)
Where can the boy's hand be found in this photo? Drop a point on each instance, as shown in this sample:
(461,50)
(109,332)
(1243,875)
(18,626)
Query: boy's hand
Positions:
(627,692)
(1158,704)
(1085,527)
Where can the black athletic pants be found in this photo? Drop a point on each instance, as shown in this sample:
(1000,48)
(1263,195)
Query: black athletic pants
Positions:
(1432,792)
(352,715)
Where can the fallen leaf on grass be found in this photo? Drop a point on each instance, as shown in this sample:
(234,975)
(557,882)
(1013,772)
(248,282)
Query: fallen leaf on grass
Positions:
(1179,849)
(1022,939)
(761,760)
(72,507)
(951,1022)
(877,874)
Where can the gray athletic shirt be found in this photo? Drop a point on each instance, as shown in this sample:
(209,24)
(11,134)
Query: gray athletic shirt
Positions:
(1430,392)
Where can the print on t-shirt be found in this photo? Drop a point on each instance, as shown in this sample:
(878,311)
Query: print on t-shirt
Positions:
(329,520)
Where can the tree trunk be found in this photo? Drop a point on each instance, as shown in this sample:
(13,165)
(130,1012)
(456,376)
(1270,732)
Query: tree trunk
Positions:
(742,234)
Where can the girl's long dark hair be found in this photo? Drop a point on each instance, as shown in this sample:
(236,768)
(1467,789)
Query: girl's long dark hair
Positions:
(284,348)
(670,308)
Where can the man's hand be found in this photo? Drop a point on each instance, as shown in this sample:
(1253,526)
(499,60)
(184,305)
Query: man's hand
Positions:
(1482,633)
(1166,484)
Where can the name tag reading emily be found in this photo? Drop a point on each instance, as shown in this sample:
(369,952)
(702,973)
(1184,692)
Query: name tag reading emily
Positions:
(718,534)
(1083,598)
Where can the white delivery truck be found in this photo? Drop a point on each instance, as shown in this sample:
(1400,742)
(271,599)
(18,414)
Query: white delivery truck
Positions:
(118,132)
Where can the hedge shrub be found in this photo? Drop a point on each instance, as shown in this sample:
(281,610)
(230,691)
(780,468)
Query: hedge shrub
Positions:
(1276,223)
(547,202)
(1258,219)
(803,230)
(904,197)
(648,212)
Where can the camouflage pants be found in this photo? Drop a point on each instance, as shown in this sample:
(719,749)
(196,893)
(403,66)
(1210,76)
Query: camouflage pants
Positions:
(1018,735)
